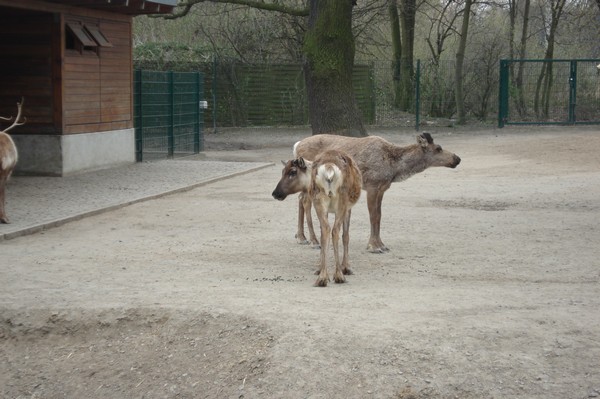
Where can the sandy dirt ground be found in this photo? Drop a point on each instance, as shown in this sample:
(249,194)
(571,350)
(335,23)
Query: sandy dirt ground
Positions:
(491,288)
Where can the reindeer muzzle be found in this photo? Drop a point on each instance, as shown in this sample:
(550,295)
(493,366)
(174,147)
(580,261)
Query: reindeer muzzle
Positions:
(456,161)
(278,195)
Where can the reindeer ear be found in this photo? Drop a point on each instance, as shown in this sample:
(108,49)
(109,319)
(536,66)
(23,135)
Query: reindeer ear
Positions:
(284,163)
(424,139)
(301,163)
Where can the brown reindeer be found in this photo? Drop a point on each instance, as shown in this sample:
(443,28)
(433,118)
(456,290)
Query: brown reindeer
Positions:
(335,188)
(8,158)
(381,163)
(296,178)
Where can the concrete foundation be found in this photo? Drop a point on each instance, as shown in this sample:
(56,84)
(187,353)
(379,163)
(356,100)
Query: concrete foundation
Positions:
(68,154)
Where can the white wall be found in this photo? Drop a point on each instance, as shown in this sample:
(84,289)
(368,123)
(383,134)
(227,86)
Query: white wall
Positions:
(68,154)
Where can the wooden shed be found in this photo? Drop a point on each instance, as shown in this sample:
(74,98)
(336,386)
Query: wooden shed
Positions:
(71,61)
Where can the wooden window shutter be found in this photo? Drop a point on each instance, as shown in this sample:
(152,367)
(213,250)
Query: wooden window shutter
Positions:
(98,36)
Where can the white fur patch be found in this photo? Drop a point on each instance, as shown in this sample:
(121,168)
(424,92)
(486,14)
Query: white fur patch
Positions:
(8,162)
(294,149)
(305,179)
(329,178)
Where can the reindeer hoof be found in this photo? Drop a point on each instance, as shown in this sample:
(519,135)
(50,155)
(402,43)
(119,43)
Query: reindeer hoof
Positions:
(301,240)
(316,245)
(377,249)
(4,220)
(339,279)
(347,272)
(321,282)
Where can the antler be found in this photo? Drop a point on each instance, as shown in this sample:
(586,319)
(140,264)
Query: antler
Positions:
(19,112)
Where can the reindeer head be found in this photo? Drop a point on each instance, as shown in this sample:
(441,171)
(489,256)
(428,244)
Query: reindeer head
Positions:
(434,154)
(295,178)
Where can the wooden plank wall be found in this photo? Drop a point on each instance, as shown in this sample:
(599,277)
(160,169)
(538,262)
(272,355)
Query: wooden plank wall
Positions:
(66,92)
(97,86)
(26,69)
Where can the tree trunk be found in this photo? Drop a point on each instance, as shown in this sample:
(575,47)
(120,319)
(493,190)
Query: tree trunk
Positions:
(460,59)
(397,49)
(522,106)
(329,59)
(408,11)
(544,83)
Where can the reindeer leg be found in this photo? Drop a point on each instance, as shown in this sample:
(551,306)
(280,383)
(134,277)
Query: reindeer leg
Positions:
(307,203)
(3,217)
(300,238)
(323,278)
(346,241)
(340,218)
(379,202)
(374,198)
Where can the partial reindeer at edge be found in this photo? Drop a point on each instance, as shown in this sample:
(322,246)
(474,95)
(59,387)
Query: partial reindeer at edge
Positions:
(8,158)
(381,163)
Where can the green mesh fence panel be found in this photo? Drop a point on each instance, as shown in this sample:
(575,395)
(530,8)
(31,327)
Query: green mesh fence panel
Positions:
(549,92)
(242,94)
(271,94)
(168,119)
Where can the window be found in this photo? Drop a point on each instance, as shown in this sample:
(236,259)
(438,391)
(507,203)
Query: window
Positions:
(97,35)
(86,37)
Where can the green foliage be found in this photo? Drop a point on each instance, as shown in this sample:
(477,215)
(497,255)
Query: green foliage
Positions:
(174,56)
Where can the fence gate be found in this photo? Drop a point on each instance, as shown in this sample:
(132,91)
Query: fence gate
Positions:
(168,118)
(549,92)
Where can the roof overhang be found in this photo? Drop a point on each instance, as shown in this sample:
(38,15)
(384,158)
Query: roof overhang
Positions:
(129,7)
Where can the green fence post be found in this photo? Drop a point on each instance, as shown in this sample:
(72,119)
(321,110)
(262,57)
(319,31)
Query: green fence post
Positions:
(171,138)
(572,90)
(214,95)
(139,129)
(198,113)
(418,96)
(503,94)
(201,96)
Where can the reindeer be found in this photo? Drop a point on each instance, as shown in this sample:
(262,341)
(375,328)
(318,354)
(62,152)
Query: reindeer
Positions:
(334,188)
(381,164)
(8,158)
(296,178)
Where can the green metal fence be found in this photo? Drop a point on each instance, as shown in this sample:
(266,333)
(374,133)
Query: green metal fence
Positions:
(168,118)
(274,94)
(549,92)
(245,94)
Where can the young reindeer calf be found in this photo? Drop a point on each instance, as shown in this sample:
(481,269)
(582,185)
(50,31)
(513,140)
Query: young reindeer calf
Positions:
(335,188)
(296,178)
(8,159)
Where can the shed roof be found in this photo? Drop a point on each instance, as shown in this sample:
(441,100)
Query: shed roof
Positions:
(130,7)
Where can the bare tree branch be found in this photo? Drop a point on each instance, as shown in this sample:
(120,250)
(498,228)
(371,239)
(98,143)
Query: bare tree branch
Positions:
(184,7)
